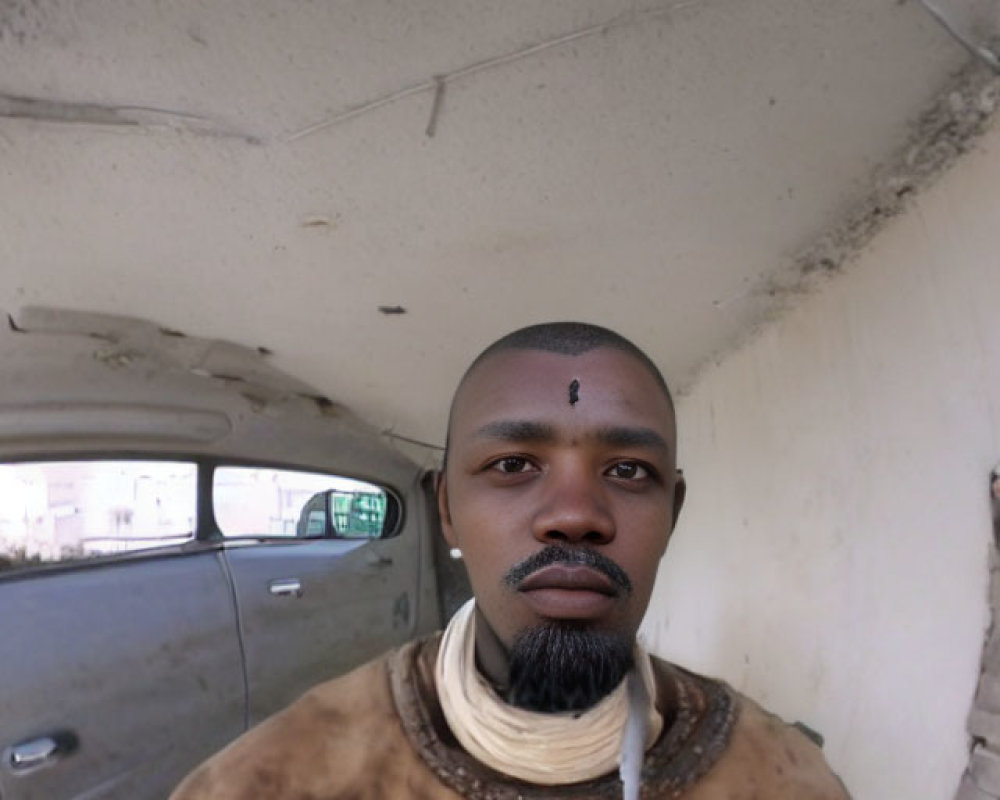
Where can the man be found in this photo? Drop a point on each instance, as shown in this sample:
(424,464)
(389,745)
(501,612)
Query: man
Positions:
(561,490)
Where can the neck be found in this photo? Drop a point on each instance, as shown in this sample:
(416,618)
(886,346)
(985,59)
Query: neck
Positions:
(491,655)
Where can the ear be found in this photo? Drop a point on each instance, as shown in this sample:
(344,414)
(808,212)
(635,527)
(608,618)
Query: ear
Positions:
(680,492)
(444,510)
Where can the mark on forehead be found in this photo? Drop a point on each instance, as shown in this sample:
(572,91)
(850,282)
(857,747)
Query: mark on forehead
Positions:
(574,392)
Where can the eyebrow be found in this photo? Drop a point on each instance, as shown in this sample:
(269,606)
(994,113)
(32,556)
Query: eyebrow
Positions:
(517,430)
(526,430)
(625,436)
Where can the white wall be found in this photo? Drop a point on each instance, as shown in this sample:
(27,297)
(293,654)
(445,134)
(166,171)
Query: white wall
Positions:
(832,560)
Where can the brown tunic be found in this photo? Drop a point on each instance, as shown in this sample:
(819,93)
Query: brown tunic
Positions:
(378,732)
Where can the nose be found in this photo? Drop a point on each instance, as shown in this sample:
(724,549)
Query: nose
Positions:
(574,509)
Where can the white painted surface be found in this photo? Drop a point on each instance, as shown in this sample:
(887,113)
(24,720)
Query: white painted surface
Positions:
(832,560)
(652,177)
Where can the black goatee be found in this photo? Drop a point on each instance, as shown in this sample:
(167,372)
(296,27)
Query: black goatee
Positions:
(561,666)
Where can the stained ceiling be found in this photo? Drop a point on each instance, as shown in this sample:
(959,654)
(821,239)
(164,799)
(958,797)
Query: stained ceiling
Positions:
(373,189)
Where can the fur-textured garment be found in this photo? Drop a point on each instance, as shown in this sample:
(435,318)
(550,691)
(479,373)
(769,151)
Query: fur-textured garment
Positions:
(378,732)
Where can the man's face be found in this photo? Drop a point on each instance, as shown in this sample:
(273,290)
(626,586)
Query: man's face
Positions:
(527,468)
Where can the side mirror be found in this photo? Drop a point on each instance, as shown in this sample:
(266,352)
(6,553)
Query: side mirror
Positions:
(369,512)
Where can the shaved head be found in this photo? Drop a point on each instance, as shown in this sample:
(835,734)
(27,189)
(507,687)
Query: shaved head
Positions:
(568,339)
(562,338)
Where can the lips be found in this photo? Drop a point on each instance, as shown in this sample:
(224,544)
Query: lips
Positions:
(569,591)
(570,577)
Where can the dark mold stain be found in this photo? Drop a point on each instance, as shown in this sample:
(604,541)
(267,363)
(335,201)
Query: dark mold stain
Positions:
(21,20)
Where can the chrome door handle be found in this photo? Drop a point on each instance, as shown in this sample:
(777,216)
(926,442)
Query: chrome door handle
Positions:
(41,752)
(286,587)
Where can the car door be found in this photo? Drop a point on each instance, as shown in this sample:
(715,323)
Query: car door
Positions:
(119,651)
(315,598)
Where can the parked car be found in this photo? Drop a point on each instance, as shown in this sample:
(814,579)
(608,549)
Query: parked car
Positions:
(189,539)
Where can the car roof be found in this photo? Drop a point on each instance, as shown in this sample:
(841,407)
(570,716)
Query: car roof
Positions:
(82,382)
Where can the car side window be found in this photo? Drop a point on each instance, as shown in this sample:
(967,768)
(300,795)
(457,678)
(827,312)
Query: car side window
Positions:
(69,511)
(282,503)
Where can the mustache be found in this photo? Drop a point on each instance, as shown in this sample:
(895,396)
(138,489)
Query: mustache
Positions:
(574,556)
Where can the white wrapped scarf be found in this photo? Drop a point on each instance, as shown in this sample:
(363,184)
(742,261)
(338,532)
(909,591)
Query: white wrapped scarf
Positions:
(545,749)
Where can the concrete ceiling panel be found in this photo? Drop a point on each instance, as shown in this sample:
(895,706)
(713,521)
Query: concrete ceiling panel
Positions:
(649,166)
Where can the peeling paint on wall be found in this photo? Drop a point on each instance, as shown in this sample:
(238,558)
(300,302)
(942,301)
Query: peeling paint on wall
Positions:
(948,129)
(939,137)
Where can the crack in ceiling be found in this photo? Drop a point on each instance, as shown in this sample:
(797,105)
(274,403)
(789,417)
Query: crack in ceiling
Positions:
(436,83)
(44,110)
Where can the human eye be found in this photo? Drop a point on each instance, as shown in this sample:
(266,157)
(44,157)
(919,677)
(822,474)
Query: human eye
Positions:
(511,465)
(629,471)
